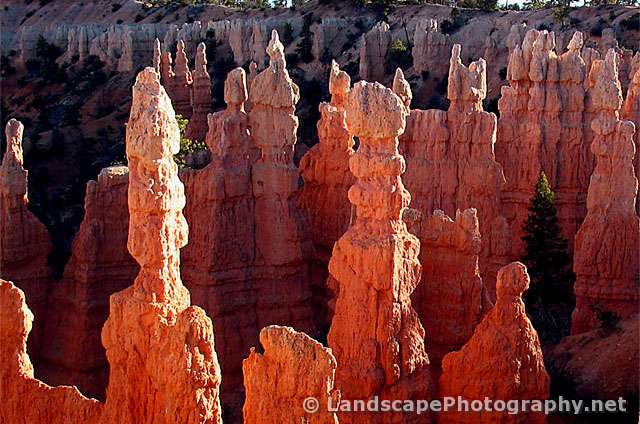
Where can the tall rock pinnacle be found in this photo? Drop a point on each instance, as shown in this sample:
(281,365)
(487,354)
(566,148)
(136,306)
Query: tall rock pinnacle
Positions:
(172,341)
(606,259)
(375,334)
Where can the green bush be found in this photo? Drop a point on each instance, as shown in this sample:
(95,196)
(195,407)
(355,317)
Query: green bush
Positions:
(187,146)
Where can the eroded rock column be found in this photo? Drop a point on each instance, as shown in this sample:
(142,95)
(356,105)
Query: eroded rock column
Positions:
(200,97)
(293,368)
(606,259)
(153,337)
(24,240)
(182,83)
(502,360)
(375,334)
(631,112)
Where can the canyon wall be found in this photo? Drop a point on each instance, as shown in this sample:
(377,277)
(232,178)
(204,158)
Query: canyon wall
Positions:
(545,114)
(606,259)
(502,360)
(631,112)
(375,334)
(24,240)
(279,382)
(451,164)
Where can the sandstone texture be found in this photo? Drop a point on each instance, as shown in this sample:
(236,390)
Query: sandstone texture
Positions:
(327,179)
(451,164)
(24,240)
(451,298)
(545,115)
(502,360)
(606,259)
(374,46)
(200,97)
(182,83)
(78,304)
(631,112)
(292,368)
(163,366)
(375,334)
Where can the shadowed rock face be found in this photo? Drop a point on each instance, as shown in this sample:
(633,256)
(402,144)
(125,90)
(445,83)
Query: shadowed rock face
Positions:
(450,299)
(451,165)
(375,334)
(607,244)
(631,112)
(292,368)
(502,360)
(153,337)
(24,240)
(327,179)
(201,100)
(545,116)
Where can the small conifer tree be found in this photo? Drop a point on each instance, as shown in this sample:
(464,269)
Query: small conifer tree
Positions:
(547,256)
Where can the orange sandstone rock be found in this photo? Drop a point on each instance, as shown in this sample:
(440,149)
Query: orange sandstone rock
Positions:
(606,259)
(374,46)
(292,368)
(451,298)
(543,126)
(631,112)
(451,164)
(502,360)
(24,240)
(25,399)
(160,349)
(78,304)
(375,334)
(325,170)
(182,83)
(200,97)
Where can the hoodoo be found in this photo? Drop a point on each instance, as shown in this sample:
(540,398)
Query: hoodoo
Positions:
(606,259)
(279,382)
(502,360)
(375,335)
(24,240)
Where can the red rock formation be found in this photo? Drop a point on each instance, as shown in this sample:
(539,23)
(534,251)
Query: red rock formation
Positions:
(279,225)
(502,360)
(374,46)
(451,164)
(181,83)
(200,97)
(157,54)
(163,365)
(172,341)
(451,298)
(542,126)
(78,305)
(375,334)
(25,399)
(292,368)
(631,112)
(430,49)
(325,170)
(242,289)
(166,71)
(24,240)
(606,259)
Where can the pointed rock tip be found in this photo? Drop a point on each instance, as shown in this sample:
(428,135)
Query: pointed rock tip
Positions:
(14,129)
(513,280)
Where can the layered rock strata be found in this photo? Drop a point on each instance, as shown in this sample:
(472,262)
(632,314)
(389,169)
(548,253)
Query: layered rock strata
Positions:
(631,112)
(181,84)
(374,46)
(327,178)
(451,298)
(502,360)
(201,101)
(543,126)
(376,335)
(606,259)
(78,304)
(451,164)
(292,369)
(153,337)
(24,240)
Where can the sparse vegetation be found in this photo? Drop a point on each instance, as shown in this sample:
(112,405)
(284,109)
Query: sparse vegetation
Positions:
(399,56)
(187,146)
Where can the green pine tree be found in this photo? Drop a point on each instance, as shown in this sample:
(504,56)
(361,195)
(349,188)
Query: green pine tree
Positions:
(547,257)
